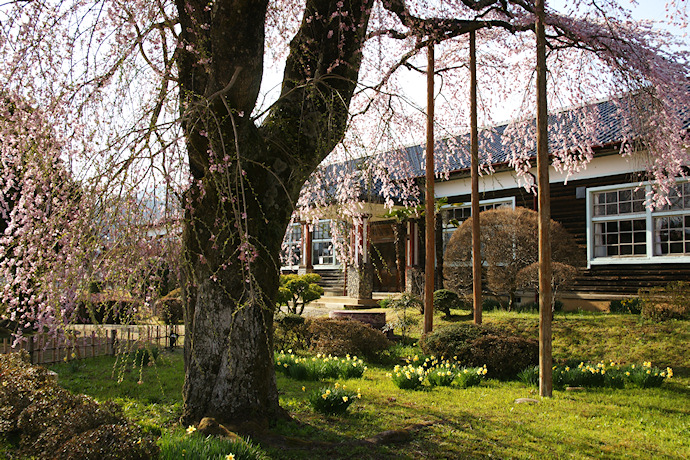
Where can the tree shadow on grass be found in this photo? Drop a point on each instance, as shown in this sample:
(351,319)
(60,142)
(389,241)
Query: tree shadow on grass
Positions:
(428,433)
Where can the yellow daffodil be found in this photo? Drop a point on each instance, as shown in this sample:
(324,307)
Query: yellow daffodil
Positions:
(191,429)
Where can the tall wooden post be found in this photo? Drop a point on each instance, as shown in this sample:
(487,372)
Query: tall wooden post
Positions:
(474,153)
(430,243)
(545,294)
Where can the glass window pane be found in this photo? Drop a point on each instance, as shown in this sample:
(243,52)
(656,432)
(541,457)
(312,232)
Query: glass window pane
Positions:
(676,248)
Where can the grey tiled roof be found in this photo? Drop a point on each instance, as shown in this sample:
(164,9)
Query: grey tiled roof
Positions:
(610,119)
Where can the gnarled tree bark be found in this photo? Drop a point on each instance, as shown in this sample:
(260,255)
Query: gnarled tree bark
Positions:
(245,181)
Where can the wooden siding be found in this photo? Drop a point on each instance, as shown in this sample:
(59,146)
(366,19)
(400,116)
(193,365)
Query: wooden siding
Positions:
(571,212)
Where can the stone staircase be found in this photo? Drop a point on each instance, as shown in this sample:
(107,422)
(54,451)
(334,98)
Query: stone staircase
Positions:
(332,282)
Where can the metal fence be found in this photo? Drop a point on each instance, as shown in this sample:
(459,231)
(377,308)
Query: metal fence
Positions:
(87,341)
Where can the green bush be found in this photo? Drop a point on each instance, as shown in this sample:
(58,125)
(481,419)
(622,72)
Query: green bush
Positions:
(631,305)
(296,291)
(170,307)
(332,400)
(472,345)
(454,341)
(49,422)
(445,300)
(291,331)
(669,302)
(339,337)
(504,356)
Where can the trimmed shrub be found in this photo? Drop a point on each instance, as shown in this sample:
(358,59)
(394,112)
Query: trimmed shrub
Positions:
(291,331)
(669,302)
(475,346)
(444,300)
(170,308)
(504,356)
(454,341)
(50,422)
(340,337)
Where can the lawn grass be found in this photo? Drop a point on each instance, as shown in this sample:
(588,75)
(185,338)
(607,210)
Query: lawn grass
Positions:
(477,422)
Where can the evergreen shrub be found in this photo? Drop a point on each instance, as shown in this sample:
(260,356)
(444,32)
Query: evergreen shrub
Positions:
(341,337)
(475,346)
(445,300)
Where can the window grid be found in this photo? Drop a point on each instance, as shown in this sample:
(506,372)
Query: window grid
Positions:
(617,202)
(322,245)
(671,235)
(292,246)
(623,227)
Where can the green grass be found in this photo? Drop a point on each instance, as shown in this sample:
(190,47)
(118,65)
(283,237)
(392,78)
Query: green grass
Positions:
(476,422)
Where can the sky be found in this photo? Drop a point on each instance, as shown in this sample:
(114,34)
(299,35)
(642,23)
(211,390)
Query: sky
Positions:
(416,89)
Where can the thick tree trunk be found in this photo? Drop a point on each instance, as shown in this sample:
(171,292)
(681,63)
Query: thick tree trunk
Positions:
(245,180)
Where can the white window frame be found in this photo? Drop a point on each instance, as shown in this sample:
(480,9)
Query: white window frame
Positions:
(288,241)
(648,214)
(329,240)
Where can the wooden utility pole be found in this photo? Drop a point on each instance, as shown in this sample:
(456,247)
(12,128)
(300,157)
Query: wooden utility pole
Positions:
(545,293)
(474,153)
(430,217)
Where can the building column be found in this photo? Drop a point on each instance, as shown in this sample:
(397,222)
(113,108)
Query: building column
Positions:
(305,265)
(360,274)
